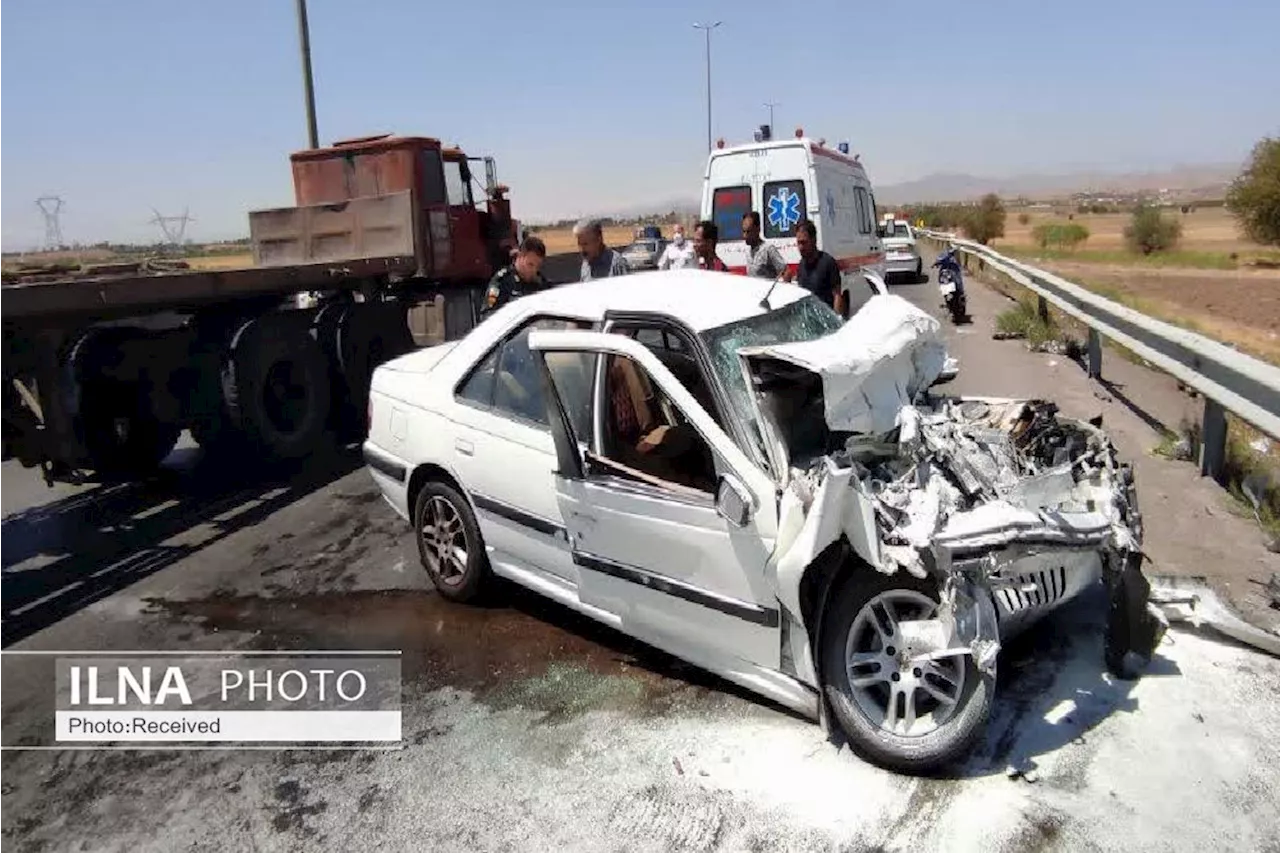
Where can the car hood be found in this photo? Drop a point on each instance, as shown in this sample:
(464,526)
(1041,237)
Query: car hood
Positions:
(858,379)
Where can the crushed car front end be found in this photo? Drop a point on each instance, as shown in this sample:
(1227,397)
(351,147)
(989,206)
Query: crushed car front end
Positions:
(966,520)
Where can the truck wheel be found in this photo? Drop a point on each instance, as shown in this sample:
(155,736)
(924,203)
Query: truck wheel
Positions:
(121,437)
(366,336)
(460,312)
(276,387)
(912,717)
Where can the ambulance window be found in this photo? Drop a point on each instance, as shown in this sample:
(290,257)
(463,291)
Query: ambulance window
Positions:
(783,207)
(865,223)
(728,206)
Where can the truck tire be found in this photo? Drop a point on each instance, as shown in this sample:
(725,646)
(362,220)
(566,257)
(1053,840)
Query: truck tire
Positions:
(364,336)
(276,387)
(121,436)
(460,312)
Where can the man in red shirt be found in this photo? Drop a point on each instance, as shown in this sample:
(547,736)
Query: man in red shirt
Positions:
(705,237)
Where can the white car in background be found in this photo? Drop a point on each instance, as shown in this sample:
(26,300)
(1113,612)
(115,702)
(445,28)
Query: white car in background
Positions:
(724,468)
(902,257)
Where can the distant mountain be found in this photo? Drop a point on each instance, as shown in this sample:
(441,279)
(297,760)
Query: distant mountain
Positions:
(947,186)
(961,187)
(689,205)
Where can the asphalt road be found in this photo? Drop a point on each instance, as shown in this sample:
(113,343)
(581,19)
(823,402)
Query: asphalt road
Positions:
(529,728)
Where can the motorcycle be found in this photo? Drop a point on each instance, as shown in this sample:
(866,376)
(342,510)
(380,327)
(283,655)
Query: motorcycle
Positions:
(951,284)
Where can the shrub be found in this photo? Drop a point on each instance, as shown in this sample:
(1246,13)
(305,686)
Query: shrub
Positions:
(986,221)
(1024,218)
(1151,231)
(1254,197)
(1062,235)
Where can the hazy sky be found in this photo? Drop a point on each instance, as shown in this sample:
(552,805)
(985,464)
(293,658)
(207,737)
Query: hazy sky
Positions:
(126,105)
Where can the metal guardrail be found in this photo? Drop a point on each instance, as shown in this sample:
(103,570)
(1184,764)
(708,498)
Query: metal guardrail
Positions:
(1229,380)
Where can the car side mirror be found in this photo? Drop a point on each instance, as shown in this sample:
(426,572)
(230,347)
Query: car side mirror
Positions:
(732,501)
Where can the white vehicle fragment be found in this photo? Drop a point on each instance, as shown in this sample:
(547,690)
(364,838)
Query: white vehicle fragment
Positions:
(1009,507)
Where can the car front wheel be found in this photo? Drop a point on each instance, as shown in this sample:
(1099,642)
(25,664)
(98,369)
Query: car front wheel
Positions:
(449,543)
(902,713)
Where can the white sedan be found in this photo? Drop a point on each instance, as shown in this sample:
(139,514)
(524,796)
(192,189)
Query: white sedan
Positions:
(724,468)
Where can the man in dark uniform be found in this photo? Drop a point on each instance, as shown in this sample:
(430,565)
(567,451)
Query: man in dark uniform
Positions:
(817,272)
(522,276)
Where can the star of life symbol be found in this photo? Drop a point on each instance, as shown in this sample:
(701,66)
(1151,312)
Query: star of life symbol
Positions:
(784,209)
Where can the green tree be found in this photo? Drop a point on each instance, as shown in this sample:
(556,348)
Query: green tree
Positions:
(1254,197)
(1151,231)
(986,221)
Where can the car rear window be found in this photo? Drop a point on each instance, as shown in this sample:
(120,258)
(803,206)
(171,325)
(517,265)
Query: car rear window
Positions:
(728,206)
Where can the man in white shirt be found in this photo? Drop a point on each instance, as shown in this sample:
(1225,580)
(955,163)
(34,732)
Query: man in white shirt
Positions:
(679,253)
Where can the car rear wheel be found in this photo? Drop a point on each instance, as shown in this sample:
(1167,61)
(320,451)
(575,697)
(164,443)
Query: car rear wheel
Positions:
(902,714)
(449,543)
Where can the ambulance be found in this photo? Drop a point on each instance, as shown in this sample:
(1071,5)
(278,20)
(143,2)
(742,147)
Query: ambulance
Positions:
(789,180)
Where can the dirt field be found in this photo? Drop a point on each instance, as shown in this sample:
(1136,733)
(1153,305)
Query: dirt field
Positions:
(1210,229)
(562,240)
(221,262)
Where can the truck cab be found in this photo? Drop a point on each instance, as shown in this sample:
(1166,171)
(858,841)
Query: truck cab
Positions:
(384,195)
(789,180)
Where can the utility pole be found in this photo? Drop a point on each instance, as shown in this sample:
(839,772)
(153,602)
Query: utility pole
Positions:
(304,37)
(771,105)
(707,28)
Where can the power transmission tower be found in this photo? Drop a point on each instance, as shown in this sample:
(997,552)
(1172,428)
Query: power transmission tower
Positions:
(51,208)
(174,228)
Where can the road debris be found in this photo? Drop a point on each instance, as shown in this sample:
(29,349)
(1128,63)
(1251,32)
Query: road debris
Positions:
(1191,601)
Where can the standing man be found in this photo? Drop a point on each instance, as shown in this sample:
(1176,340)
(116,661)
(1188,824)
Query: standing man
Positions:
(598,260)
(818,272)
(679,254)
(763,259)
(518,278)
(705,237)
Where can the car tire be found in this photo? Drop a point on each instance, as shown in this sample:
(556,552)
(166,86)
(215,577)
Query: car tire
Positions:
(920,271)
(448,514)
(850,621)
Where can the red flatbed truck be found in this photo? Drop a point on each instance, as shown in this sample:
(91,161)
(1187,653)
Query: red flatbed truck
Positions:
(103,368)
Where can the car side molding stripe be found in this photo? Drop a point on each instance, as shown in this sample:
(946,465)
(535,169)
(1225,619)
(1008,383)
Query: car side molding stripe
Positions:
(519,516)
(765,616)
(379,462)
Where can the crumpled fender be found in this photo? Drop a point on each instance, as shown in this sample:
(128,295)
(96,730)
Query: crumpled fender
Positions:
(837,509)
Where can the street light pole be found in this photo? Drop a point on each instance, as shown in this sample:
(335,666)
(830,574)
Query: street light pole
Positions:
(771,105)
(707,28)
(304,38)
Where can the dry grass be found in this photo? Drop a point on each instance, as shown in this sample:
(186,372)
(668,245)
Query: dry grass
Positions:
(1209,229)
(221,262)
(561,240)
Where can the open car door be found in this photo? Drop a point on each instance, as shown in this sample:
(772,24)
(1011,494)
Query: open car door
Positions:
(670,524)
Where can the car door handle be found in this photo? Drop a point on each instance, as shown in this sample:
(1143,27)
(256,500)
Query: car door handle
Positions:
(464,447)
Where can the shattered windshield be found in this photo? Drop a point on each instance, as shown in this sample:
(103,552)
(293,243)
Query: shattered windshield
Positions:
(804,320)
